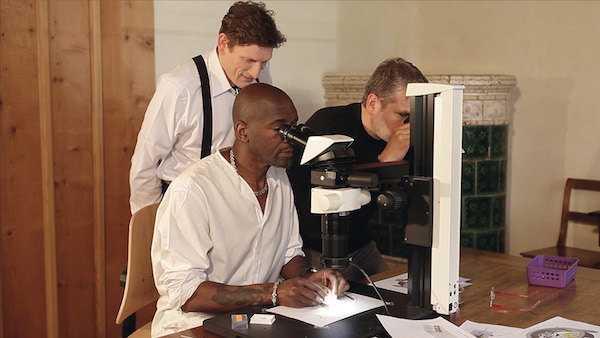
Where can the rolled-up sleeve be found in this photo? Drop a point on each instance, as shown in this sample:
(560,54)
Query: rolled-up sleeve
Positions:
(180,248)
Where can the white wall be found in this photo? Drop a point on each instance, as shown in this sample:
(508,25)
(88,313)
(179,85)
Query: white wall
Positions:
(551,47)
(184,29)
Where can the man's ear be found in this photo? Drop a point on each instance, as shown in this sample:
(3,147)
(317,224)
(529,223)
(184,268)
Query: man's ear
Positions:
(372,104)
(241,131)
(222,43)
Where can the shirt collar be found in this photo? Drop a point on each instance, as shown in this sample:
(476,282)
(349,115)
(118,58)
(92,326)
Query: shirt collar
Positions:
(218,80)
(271,172)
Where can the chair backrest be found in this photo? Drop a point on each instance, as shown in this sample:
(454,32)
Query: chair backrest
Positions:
(574,216)
(139,283)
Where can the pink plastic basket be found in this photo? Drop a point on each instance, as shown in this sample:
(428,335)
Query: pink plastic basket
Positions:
(551,270)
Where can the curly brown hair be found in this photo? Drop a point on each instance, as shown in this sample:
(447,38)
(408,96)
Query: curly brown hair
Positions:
(250,23)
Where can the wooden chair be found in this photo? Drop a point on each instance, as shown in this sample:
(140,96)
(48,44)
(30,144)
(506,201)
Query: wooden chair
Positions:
(587,258)
(139,284)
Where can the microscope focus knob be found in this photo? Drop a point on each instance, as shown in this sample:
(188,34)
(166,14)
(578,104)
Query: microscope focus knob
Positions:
(330,202)
(392,199)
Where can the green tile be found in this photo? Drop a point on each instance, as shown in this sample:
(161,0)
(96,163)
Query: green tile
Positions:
(467,239)
(488,177)
(498,211)
(477,213)
(475,142)
(487,241)
(483,180)
(499,142)
(468,178)
(502,177)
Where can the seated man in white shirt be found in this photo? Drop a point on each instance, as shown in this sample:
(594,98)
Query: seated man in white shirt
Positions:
(227,231)
(181,124)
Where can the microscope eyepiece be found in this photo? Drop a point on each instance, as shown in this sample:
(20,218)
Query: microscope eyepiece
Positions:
(296,135)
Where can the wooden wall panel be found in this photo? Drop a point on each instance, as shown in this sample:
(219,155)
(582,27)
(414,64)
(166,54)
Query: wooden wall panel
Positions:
(98,159)
(47,167)
(22,249)
(72,143)
(73,165)
(128,84)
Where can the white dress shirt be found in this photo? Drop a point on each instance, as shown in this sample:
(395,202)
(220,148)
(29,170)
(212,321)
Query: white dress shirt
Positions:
(170,138)
(210,227)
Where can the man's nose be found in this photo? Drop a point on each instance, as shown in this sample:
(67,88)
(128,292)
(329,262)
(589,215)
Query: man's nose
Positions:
(255,70)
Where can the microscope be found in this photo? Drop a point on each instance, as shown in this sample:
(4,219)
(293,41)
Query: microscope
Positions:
(424,193)
(337,188)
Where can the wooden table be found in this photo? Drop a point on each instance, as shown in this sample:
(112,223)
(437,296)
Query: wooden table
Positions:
(579,300)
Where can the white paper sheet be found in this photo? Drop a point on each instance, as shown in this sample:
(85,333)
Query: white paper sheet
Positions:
(396,283)
(480,330)
(559,327)
(422,328)
(324,315)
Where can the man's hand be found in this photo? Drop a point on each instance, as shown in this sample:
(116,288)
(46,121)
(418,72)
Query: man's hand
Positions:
(311,291)
(398,144)
(330,279)
(300,292)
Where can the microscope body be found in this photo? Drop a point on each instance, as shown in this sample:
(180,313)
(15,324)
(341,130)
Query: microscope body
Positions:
(424,192)
(337,191)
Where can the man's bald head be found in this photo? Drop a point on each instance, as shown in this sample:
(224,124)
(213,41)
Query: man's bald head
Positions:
(259,101)
(259,111)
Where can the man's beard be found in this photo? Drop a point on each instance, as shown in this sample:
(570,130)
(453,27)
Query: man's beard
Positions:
(287,163)
(276,161)
(380,128)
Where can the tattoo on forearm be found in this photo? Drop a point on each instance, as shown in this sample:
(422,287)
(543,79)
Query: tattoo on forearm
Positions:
(239,296)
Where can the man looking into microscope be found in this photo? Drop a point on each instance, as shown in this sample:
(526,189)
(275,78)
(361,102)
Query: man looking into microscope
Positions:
(227,231)
(381,132)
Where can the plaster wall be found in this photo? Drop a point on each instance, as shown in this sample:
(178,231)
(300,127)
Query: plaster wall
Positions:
(184,29)
(548,47)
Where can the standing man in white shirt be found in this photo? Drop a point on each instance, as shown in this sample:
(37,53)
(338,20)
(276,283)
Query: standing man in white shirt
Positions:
(189,116)
(227,235)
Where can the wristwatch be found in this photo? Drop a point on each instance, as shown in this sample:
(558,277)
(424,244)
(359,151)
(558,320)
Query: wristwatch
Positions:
(312,269)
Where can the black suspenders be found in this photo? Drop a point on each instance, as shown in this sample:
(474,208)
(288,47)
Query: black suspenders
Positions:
(207,107)
(206,104)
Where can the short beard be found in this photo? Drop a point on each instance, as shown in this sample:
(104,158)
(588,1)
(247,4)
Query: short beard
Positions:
(276,162)
(380,129)
(283,164)
(286,163)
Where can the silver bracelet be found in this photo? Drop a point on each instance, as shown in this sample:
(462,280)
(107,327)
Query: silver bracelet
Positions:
(274,293)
